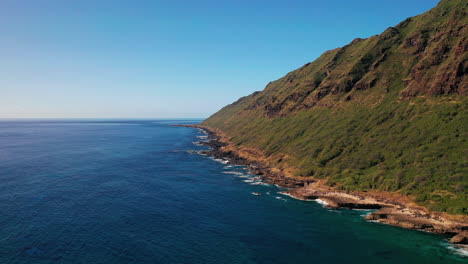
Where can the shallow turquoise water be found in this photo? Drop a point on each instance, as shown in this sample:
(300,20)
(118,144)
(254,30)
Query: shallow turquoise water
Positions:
(129,192)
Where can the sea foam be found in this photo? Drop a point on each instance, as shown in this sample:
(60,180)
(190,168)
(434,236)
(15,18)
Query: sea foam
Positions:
(460,250)
(233,172)
(322,202)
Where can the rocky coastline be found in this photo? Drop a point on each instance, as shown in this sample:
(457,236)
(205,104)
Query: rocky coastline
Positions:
(389,209)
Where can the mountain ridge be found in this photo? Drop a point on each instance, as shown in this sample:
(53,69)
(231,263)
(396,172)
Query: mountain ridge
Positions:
(383,113)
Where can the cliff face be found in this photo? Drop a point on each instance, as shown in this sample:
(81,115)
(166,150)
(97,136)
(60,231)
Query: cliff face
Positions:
(387,112)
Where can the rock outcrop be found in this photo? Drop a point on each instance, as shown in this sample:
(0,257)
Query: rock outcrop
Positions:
(460,238)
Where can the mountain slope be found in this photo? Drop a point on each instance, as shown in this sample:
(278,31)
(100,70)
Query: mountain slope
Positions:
(387,113)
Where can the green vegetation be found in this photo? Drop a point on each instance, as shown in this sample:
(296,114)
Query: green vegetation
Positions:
(386,113)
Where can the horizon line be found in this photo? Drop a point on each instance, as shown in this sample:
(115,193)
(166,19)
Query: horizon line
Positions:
(101,118)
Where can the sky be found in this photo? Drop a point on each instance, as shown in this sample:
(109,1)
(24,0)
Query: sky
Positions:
(167,59)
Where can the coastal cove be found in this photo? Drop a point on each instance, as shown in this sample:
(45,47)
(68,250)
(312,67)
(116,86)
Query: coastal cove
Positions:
(136,191)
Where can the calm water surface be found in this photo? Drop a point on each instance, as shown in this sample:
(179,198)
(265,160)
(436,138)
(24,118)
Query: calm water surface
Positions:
(130,192)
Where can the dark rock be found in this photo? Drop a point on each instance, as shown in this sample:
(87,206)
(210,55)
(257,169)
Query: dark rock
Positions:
(460,238)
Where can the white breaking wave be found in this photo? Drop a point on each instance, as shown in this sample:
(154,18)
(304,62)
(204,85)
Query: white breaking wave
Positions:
(286,194)
(198,143)
(322,202)
(233,172)
(220,160)
(460,250)
(259,183)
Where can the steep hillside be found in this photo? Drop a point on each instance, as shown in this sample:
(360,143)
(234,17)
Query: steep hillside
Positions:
(388,113)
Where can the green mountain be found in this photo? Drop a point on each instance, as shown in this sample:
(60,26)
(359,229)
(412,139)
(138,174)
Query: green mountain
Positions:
(384,113)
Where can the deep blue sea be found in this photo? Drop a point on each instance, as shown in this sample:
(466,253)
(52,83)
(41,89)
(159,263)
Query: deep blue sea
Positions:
(131,192)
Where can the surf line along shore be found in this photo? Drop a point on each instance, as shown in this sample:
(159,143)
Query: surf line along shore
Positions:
(393,209)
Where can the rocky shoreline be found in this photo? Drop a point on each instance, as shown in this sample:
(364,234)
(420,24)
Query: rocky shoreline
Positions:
(390,209)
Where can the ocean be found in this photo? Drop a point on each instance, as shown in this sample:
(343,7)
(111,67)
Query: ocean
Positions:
(131,191)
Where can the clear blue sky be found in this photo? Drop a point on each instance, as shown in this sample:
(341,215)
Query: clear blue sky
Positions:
(167,59)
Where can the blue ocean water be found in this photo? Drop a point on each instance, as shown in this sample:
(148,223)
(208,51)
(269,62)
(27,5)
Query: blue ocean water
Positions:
(130,192)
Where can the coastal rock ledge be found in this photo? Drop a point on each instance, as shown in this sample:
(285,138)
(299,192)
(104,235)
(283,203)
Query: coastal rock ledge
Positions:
(460,238)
